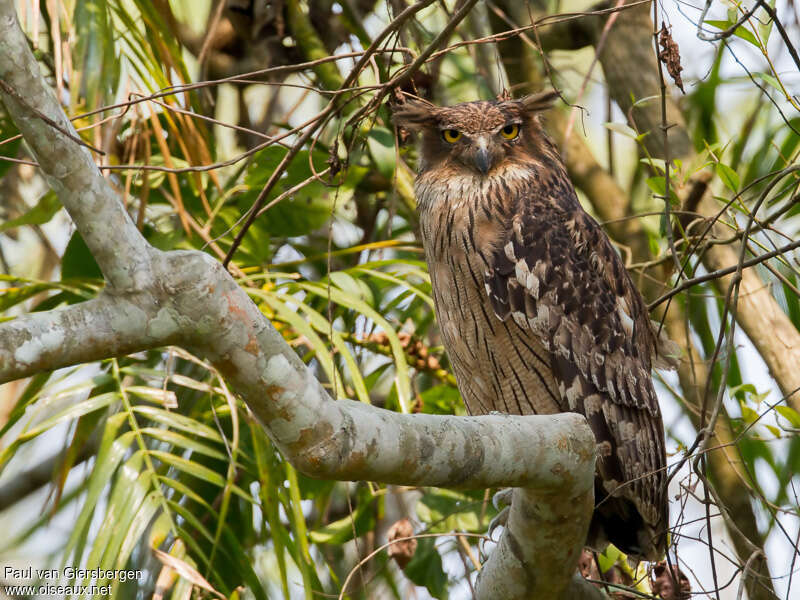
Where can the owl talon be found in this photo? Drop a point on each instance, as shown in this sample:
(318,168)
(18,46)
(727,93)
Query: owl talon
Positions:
(502,498)
(500,520)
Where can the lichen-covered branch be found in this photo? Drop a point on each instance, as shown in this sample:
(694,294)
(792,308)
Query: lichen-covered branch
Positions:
(189,299)
(531,553)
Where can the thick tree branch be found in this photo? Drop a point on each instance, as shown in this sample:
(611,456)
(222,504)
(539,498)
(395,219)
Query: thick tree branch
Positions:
(92,330)
(531,553)
(187,298)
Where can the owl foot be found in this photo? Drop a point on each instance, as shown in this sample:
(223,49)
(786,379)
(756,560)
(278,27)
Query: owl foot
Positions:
(502,502)
(502,498)
(500,520)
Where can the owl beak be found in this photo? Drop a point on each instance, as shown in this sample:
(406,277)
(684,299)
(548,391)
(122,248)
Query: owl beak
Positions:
(482,158)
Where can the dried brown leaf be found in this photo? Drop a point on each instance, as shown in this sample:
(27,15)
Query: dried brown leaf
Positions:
(670,55)
(403,551)
(663,583)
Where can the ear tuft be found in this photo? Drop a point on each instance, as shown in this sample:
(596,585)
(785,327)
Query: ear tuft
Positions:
(413,113)
(542,101)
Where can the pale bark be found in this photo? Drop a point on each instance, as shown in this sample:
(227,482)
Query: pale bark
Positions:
(186,298)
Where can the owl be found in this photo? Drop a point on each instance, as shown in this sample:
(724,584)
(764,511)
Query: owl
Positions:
(536,309)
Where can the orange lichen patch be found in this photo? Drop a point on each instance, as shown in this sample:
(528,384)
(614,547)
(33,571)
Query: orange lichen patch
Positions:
(234,308)
(355,465)
(313,448)
(273,391)
(240,314)
(252,345)
(308,440)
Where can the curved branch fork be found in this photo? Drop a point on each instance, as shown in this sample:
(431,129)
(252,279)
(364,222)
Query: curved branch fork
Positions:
(154,299)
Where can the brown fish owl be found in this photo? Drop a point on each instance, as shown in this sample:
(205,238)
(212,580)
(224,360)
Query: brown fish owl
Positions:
(535,307)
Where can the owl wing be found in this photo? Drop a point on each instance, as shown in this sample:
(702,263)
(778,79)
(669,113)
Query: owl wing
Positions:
(557,275)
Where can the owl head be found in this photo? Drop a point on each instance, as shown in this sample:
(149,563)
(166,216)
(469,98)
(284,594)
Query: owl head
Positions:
(475,136)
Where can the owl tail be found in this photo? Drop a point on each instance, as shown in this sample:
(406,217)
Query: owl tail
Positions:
(616,520)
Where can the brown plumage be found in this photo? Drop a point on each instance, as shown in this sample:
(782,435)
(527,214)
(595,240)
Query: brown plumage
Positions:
(536,310)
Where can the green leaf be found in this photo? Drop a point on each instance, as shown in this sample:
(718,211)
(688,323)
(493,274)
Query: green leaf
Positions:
(445,510)
(656,163)
(380,142)
(136,529)
(78,261)
(765,26)
(769,79)
(426,569)
(28,396)
(740,32)
(728,176)
(320,323)
(300,325)
(130,489)
(402,379)
(361,269)
(659,187)
(182,441)
(111,451)
(94,50)
(177,421)
(441,400)
(341,531)
(609,558)
(748,414)
(192,468)
(305,209)
(622,129)
(40,214)
(354,287)
(790,414)
(13,295)
(70,412)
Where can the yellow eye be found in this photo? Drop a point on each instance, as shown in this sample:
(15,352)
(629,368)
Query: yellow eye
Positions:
(451,135)
(510,131)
